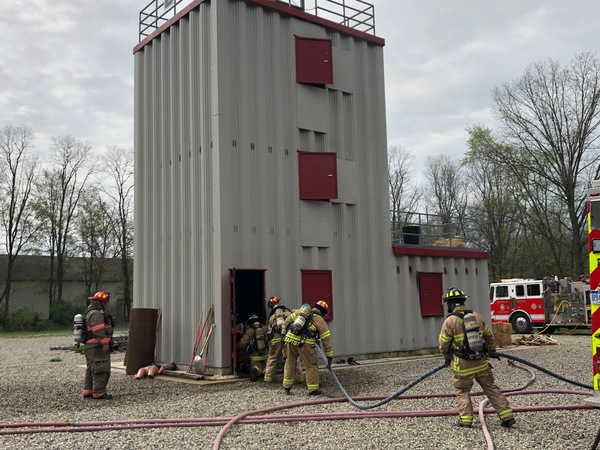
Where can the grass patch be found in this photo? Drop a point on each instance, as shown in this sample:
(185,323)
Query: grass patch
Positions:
(55,359)
(34,334)
(68,333)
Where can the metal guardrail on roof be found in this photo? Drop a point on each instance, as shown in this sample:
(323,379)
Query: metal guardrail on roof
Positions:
(355,14)
(412,228)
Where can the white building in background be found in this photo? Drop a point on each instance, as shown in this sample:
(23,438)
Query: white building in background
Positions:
(261,169)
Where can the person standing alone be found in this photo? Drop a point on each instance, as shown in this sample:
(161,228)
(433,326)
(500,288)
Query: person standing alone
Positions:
(98,345)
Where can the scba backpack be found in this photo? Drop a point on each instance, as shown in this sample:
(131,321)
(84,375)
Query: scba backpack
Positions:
(472,346)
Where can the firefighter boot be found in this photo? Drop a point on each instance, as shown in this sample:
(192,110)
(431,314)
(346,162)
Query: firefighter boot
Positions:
(508,423)
(253,374)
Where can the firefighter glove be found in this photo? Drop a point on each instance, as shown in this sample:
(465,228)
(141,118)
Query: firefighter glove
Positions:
(447,359)
(329,360)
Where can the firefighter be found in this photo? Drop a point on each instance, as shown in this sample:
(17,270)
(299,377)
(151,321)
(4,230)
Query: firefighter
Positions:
(98,345)
(276,320)
(255,340)
(465,342)
(302,330)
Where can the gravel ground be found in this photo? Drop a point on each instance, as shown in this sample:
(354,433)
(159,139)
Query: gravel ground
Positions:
(35,389)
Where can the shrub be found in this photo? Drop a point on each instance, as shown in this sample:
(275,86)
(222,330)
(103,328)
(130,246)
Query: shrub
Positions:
(3,321)
(61,313)
(24,319)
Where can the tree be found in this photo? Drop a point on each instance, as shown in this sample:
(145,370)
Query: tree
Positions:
(404,196)
(550,118)
(97,240)
(449,189)
(118,167)
(494,209)
(58,194)
(16,216)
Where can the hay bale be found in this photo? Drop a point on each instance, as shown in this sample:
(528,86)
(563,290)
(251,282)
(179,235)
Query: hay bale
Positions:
(502,334)
(505,328)
(456,241)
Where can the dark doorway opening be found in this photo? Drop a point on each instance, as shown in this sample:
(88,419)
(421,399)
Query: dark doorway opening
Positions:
(247,297)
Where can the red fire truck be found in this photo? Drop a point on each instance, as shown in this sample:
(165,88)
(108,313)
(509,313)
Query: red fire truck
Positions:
(528,304)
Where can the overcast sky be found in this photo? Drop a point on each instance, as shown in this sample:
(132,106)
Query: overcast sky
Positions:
(67,65)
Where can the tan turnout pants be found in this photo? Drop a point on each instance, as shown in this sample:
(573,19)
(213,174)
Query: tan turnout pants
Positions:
(275,352)
(308,356)
(485,378)
(97,372)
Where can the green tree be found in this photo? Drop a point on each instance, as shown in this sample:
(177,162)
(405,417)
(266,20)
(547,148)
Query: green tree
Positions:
(549,119)
(494,208)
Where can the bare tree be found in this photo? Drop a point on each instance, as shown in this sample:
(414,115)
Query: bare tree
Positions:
(97,240)
(16,215)
(404,195)
(550,119)
(449,190)
(58,194)
(118,166)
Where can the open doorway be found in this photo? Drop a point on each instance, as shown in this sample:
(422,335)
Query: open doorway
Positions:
(247,297)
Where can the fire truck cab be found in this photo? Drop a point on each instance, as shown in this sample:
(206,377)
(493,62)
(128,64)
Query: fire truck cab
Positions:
(529,303)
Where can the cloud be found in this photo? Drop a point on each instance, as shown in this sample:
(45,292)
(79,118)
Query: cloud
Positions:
(68,65)
(444,59)
(68,68)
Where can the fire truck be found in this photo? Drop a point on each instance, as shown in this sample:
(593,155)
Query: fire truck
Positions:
(546,304)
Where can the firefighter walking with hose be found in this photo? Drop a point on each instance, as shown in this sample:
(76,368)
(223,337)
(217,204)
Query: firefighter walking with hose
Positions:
(465,341)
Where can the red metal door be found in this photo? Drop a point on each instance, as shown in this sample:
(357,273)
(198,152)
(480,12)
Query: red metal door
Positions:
(316,285)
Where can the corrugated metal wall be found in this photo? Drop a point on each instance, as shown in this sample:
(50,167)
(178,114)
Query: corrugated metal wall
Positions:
(172,175)
(219,121)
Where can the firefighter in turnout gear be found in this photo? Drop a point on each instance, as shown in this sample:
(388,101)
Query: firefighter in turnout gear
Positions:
(255,340)
(302,330)
(465,342)
(98,346)
(276,320)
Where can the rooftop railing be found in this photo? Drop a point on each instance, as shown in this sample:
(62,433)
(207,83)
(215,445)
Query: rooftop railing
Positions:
(412,228)
(355,14)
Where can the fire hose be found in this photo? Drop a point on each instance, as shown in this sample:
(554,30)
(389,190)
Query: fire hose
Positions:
(541,369)
(385,400)
(246,417)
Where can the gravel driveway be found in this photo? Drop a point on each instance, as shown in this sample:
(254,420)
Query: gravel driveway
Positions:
(40,385)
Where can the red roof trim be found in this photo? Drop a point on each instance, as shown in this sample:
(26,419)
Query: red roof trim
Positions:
(447,252)
(319,20)
(165,26)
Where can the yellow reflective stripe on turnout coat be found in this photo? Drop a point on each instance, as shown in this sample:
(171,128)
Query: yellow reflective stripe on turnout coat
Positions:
(452,336)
